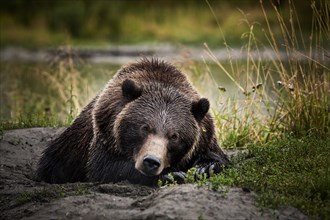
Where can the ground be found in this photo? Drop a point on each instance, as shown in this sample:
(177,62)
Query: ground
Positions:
(23,197)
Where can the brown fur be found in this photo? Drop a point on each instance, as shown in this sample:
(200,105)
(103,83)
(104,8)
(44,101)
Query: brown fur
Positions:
(165,99)
(155,146)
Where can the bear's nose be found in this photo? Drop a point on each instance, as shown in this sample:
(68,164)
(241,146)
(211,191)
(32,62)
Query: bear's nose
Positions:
(151,164)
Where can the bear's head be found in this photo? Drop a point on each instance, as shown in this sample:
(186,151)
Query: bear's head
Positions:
(158,127)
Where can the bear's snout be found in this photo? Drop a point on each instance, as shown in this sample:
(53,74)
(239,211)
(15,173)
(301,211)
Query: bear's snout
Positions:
(152,157)
(151,164)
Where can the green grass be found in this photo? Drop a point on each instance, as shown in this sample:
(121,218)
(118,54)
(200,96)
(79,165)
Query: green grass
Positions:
(47,94)
(52,192)
(43,195)
(278,111)
(285,123)
(291,171)
(31,121)
(280,96)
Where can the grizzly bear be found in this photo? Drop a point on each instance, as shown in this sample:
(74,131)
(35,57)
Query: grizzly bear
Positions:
(147,124)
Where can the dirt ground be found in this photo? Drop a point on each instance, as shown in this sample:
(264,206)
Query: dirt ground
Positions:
(21,197)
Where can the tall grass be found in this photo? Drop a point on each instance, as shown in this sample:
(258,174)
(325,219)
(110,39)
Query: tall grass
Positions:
(282,111)
(283,85)
(304,96)
(42,96)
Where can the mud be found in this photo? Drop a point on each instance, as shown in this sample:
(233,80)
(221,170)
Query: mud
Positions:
(22,197)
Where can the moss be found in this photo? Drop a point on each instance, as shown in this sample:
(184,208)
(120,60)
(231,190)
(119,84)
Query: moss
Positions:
(291,171)
(52,192)
(44,195)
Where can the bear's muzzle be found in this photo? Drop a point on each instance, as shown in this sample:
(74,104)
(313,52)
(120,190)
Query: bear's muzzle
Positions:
(152,157)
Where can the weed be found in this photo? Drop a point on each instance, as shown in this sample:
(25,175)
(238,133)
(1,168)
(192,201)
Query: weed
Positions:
(201,217)
(215,182)
(191,175)
(281,115)
(32,120)
(288,94)
(44,195)
(15,142)
(293,171)
(52,103)
(303,96)
(227,178)
(47,194)
(23,198)
(81,190)
(169,180)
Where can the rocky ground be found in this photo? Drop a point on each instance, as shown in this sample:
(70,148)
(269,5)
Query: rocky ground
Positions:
(21,197)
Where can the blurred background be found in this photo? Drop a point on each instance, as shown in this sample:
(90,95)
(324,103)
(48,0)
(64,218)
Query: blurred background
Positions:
(57,54)
(49,23)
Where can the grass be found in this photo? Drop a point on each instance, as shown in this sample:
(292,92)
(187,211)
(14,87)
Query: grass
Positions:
(279,110)
(282,121)
(53,192)
(279,113)
(34,120)
(39,196)
(287,94)
(67,85)
(291,171)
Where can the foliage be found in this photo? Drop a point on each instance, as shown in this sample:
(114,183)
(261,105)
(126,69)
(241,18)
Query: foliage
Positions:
(47,194)
(288,93)
(30,121)
(279,110)
(47,23)
(281,115)
(303,96)
(283,172)
(43,195)
(50,94)
(293,171)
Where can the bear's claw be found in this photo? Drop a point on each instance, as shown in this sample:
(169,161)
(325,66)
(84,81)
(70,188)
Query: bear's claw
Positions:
(208,169)
(173,177)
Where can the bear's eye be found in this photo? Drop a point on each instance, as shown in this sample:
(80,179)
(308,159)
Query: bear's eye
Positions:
(144,129)
(174,137)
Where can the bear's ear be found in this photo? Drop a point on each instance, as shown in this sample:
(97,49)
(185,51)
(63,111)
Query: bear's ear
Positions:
(130,90)
(200,108)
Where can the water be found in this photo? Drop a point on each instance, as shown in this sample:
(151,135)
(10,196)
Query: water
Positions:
(60,83)
(39,87)
(28,88)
